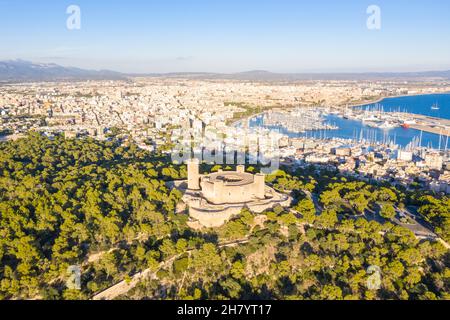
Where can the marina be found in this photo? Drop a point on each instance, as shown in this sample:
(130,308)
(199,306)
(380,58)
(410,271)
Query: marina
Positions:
(300,120)
(389,122)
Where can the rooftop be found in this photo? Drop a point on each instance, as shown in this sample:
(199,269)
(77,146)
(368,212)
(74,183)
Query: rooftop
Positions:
(231,178)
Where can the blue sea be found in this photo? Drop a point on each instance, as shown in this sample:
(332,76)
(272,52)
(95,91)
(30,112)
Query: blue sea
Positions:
(417,104)
(351,129)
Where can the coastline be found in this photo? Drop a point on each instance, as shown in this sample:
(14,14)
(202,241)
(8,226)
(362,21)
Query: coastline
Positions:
(396,96)
(421,126)
(423,123)
(356,105)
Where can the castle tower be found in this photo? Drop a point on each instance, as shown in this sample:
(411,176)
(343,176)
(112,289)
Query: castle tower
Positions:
(193,174)
(218,191)
(260,186)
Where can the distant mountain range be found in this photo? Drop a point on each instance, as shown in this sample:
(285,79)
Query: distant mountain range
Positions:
(20,70)
(261,75)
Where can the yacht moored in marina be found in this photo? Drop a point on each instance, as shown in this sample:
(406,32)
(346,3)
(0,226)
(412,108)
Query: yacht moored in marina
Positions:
(435,107)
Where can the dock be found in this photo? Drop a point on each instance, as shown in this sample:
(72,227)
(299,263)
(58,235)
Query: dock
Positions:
(429,124)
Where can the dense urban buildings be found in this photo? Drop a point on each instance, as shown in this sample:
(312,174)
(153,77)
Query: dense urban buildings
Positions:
(225,155)
(158,112)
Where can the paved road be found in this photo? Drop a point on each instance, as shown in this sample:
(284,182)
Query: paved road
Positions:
(123,286)
(315,199)
(420,228)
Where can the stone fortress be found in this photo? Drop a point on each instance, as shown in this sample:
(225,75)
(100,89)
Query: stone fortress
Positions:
(226,187)
(215,198)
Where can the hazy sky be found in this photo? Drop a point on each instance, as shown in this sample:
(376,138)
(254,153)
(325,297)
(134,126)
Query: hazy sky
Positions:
(229,35)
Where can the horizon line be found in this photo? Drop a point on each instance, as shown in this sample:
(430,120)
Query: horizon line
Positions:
(248,71)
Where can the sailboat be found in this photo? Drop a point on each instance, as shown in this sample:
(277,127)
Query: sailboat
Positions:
(435,106)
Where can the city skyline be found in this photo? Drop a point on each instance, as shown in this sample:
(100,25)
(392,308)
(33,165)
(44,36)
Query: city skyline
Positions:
(224,155)
(294,37)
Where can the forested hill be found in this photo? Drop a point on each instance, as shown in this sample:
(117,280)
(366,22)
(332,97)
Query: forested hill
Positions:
(63,199)
(107,209)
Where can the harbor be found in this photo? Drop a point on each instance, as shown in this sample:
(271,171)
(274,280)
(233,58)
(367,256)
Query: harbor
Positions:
(430,124)
(389,120)
(391,123)
(299,120)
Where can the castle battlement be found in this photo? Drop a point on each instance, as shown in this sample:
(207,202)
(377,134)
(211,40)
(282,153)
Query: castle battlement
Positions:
(226,187)
(216,197)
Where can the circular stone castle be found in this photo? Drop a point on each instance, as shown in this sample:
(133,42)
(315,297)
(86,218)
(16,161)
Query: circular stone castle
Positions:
(226,187)
(215,198)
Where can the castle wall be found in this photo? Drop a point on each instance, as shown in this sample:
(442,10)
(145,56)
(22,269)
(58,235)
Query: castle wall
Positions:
(214,216)
(212,219)
(260,186)
(219,193)
(193,174)
(226,194)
